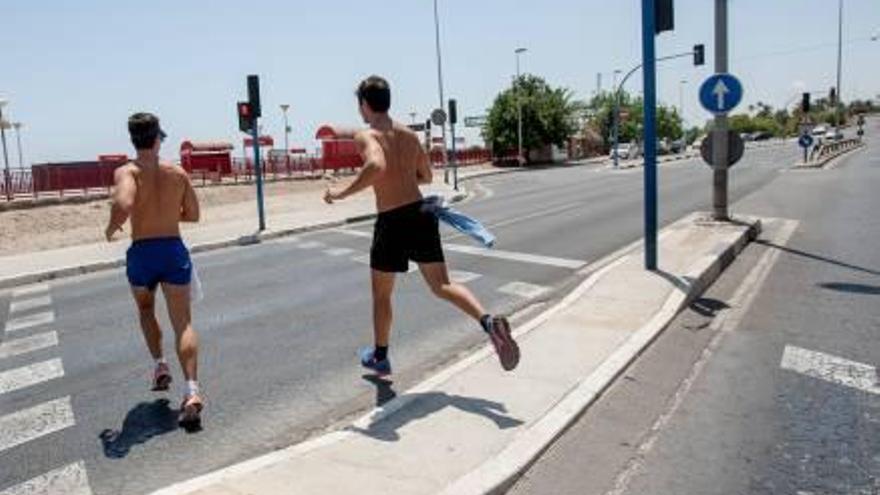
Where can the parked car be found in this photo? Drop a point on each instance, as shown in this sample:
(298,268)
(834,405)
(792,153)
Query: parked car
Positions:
(626,151)
(833,135)
(761,136)
(819,130)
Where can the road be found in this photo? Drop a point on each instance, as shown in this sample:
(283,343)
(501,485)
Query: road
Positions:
(775,392)
(281,323)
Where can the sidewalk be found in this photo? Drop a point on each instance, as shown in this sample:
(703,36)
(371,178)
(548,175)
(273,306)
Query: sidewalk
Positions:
(229,226)
(473,428)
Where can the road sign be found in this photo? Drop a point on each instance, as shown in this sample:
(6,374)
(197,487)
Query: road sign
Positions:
(720,93)
(805,141)
(735,149)
(438,117)
(476,121)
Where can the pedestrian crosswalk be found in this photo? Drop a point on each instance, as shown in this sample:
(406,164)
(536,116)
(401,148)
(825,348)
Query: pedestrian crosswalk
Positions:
(26,331)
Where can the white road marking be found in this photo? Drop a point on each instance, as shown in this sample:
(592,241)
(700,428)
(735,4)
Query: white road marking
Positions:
(310,245)
(33,320)
(25,345)
(69,480)
(338,251)
(354,233)
(30,290)
(535,259)
(32,374)
(523,289)
(29,424)
(463,277)
(363,259)
(831,369)
(18,306)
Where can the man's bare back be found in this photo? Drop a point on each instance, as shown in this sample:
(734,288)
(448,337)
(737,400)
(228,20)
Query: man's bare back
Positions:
(157,198)
(404,164)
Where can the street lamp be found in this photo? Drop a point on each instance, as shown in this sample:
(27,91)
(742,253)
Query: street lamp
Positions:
(7,179)
(17,126)
(519,124)
(839,62)
(284,108)
(681,85)
(440,85)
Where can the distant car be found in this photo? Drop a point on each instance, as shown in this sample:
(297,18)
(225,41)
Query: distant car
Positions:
(833,135)
(819,130)
(626,151)
(762,136)
(677,146)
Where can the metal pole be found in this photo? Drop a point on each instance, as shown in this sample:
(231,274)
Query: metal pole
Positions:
(6,175)
(839,65)
(454,159)
(650,90)
(258,168)
(17,127)
(440,85)
(616,129)
(719,135)
(284,109)
(681,115)
(519,133)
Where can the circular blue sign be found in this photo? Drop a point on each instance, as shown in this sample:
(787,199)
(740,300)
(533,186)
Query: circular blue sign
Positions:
(721,93)
(805,141)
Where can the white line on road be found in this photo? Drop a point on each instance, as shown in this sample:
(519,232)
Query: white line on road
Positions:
(30,290)
(535,259)
(17,347)
(33,320)
(363,259)
(463,277)
(23,426)
(338,251)
(523,289)
(32,374)
(69,480)
(19,306)
(310,245)
(831,369)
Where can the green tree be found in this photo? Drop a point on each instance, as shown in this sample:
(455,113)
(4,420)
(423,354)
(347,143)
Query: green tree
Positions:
(601,107)
(549,116)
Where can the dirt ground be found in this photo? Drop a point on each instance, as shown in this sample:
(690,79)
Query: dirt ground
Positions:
(55,226)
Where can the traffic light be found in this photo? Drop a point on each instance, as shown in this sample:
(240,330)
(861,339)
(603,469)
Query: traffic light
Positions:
(805,103)
(699,55)
(253,83)
(453,112)
(245,117)
(664,20)
(832,96)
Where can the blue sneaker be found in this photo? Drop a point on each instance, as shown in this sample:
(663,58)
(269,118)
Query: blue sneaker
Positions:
(368,360)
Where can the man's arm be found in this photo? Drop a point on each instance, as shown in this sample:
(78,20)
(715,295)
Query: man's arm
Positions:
(374,164)
(124,191)
(190,210)
(424,173)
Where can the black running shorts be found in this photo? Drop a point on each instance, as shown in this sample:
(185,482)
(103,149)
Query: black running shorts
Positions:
(405,234)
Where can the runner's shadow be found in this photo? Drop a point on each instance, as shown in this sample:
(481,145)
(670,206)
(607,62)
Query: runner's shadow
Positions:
(384,390)
(871,290)
(817,257)
(414,407)
(143,422)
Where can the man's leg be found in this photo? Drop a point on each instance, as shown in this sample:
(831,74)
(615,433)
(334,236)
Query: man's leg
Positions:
(177,298)
(146,304)
(437,277)
(383,286)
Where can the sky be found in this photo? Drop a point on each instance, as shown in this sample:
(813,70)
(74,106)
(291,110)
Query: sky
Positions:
(74,71)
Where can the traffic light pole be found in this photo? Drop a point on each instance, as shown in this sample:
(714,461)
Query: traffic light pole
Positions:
(258,169)
(719,133)
(650,123)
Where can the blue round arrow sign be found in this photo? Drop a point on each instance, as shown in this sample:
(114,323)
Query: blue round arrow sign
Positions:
(805,141)
(721,93)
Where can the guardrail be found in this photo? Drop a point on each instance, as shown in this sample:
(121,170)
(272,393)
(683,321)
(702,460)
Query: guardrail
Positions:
(828,150)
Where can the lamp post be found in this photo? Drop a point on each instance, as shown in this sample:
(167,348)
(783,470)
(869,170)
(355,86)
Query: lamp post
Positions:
(284,108)
(519,123)
(7,179)
(17,126)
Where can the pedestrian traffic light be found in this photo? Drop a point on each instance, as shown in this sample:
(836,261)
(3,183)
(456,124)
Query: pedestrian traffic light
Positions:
(245,117)
(253,83)
(832,96)
(453,112)
(805,103)
(699,55)
(664,20)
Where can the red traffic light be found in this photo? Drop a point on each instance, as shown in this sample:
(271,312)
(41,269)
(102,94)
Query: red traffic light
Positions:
(244,109)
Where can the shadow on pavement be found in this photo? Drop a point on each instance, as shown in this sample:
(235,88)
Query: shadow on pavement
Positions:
(143,422)
(384,390)
(419,406)
(872,290)
(818,258)
(708,307)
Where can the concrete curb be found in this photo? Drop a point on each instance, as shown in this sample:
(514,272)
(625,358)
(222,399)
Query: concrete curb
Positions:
(498,474)
(246,240)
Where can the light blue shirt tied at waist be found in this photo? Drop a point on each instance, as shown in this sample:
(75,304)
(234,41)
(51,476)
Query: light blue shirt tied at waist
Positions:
(459,221)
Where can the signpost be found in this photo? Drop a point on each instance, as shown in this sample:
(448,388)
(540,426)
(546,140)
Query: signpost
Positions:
(721,93)
(475,121)
(735,149)
(805,142)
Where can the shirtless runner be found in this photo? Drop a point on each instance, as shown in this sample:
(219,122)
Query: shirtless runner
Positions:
(157,197)
(394,166)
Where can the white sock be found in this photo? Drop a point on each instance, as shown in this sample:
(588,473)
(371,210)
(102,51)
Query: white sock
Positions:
(192,387)
(161,360)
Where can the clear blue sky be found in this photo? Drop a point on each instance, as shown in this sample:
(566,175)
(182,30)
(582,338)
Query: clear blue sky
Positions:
(74,71)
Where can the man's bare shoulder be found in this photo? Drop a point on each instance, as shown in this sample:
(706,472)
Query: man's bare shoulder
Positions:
(129,169)
(172,169)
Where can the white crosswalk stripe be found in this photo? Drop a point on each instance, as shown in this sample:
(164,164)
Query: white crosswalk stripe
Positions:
(20,306)
(30,290)
(29,424)
(68,480)
(831,369)
(338,251)
(523,289)
(16,347)
(32,374)
(310,245)
(29,321)
(463,277)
